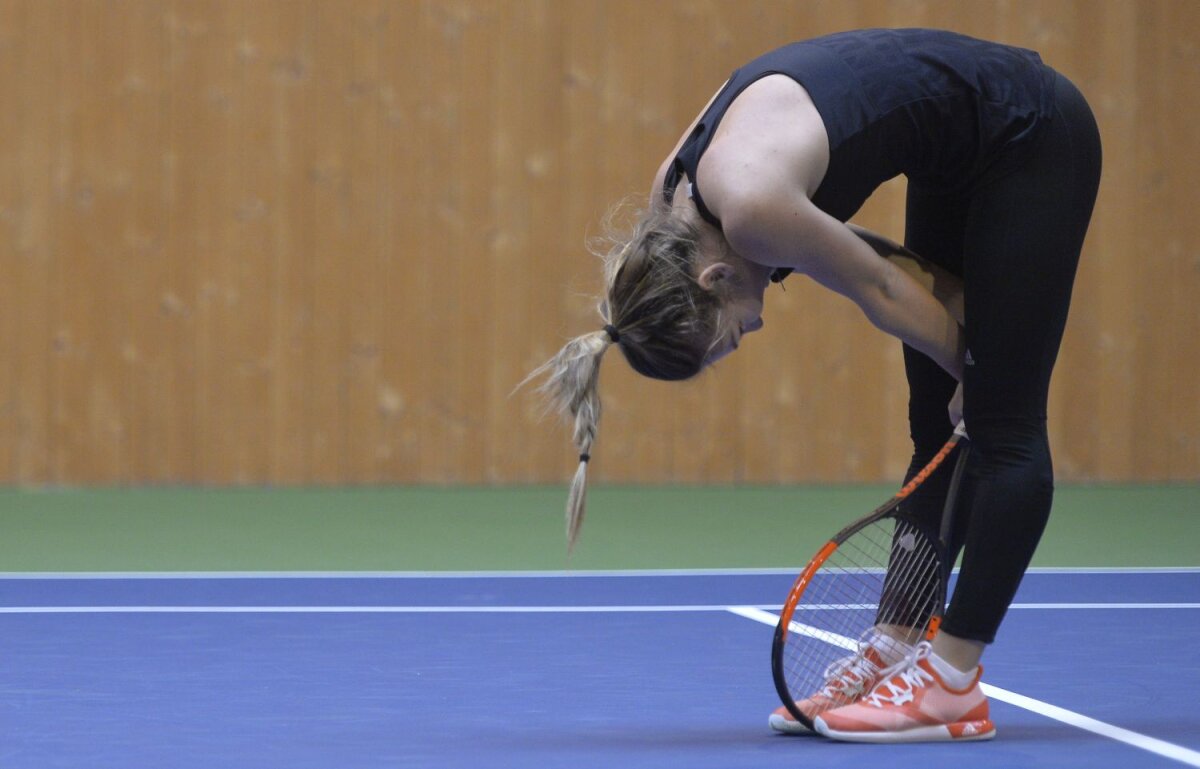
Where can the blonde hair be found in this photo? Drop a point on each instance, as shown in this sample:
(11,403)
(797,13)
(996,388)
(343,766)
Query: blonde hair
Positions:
(666,323)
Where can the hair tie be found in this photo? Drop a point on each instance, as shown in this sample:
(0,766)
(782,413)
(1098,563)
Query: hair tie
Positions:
(584,457)
(612,332)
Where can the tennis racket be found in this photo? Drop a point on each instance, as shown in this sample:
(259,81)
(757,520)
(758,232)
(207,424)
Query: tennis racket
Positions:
(884,575)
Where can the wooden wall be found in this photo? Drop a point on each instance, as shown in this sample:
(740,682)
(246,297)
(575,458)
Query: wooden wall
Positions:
(302,241)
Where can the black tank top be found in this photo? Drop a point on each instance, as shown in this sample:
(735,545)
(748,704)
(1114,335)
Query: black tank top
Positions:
(939,107)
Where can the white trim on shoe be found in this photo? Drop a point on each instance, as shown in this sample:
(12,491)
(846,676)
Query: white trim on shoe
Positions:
(967,731)
(785,725)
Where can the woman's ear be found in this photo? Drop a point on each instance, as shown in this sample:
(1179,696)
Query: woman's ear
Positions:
(713,274)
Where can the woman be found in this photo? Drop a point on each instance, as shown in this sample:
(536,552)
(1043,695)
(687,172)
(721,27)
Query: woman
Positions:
(1002,157)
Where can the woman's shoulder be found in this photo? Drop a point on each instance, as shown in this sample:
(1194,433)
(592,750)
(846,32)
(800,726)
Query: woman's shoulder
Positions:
(772,132)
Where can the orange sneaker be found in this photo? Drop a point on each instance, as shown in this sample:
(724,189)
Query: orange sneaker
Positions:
(911,703)
(846,680)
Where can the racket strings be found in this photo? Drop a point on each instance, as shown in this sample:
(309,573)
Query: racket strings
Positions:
(886,578)
(910,588)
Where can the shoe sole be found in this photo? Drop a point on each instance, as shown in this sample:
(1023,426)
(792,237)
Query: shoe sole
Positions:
(787,725)
(962,731)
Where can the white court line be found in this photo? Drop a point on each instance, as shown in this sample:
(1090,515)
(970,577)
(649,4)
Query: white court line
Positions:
(1070,717)
(1057,606)
(538,609)
(402,575)
(362,609)
(522,574)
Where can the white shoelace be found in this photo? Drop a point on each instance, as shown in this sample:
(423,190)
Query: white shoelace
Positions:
(849,676)
(902,679)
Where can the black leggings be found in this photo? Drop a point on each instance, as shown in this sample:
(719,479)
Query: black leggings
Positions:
(1015,239)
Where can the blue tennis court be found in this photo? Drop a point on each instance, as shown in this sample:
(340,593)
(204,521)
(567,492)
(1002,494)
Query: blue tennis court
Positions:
(600,669)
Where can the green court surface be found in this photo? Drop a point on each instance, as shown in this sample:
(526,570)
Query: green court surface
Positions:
(470,529)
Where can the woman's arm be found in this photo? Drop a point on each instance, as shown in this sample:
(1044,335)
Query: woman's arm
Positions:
(777,225)
(946,287)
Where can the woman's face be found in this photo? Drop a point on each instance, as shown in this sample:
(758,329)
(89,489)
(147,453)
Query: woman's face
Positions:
(742,306)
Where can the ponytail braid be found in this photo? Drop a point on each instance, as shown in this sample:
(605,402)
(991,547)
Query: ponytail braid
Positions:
(571,387)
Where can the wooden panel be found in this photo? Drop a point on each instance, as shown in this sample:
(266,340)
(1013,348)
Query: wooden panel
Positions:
(1094,374)
(37,250)
(276,54)
(150,307)
(12,19)
(300,241)
(1167,383)
(404,209)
